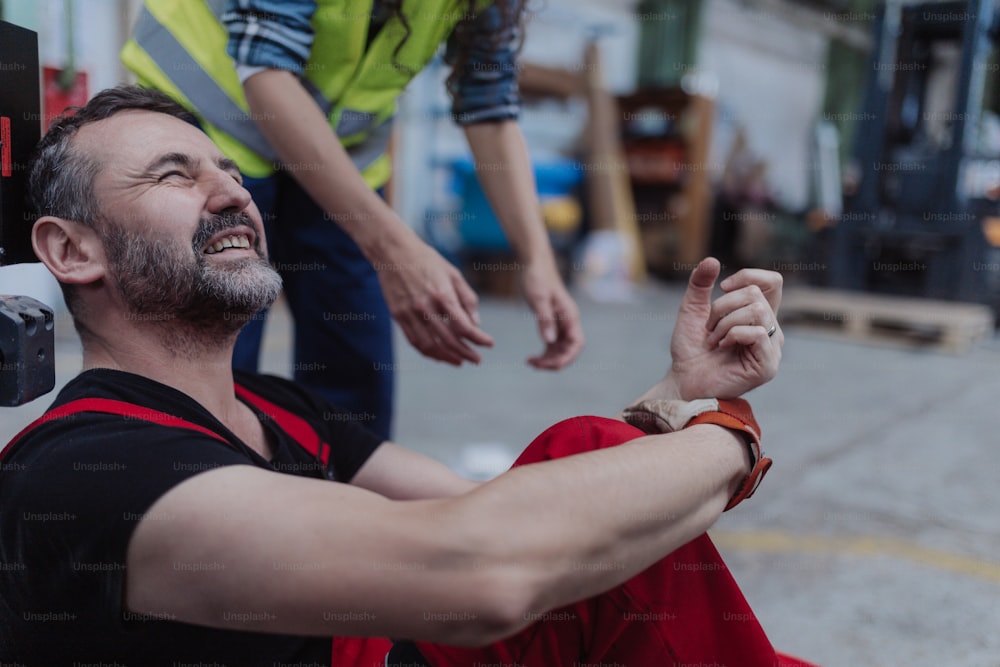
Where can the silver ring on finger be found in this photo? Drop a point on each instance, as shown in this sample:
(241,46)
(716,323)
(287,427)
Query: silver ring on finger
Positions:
(770,332)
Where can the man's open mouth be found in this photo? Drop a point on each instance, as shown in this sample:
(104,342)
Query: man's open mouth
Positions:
(238,241)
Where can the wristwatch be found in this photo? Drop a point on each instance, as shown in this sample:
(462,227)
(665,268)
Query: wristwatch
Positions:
(666,416)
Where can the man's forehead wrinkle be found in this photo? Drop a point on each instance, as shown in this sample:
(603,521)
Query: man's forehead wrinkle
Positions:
(112,153)
(172,158)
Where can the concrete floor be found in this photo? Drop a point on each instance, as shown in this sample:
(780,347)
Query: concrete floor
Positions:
(875,540)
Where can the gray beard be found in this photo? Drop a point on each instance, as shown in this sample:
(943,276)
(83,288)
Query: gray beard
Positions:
(198,302)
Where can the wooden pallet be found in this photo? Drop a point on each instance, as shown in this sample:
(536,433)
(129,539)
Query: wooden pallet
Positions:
(897,321)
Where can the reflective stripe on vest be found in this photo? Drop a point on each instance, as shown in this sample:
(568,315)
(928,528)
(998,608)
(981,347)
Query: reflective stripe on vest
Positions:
(216,107)
(365,133)
(211,102)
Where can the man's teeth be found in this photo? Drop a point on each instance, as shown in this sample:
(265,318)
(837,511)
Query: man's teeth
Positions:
(235,241)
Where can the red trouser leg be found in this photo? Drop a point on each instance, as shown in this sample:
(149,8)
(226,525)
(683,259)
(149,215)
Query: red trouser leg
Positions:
(359,651)
(684,609)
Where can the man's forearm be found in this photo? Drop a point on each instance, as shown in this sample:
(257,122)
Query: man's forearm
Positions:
(504,169)
(401,474)
(577,526)
(311,152)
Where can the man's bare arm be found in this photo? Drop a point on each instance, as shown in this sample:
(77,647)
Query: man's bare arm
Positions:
(333,559)
(251,549)
(401,474)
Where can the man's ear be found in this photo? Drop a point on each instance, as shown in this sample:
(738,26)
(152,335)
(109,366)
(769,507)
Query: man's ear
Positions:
(72,251)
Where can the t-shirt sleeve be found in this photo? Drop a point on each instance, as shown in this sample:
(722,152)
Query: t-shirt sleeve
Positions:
(101,477)
(351,444)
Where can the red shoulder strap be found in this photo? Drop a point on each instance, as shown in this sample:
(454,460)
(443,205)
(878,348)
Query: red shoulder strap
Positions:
(296,427)
(112,407)
(290,423)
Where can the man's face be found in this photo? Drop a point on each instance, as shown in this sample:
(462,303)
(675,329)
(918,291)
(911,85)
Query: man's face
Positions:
(183,240)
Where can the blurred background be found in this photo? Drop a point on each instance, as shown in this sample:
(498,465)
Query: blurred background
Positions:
(848,143)
(854,146)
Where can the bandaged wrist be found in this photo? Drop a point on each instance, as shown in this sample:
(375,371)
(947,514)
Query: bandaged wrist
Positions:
(667,416)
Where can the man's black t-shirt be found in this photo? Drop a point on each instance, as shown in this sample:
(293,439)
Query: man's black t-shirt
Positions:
(74,489)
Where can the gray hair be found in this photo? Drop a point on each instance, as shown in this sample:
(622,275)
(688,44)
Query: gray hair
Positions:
(61,178)
(61,181)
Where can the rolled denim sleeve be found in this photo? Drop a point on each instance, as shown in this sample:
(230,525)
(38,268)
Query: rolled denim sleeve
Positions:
(274,34)
(486,87)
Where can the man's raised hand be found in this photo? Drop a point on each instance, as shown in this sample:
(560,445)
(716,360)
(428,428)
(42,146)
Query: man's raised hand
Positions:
(722,349)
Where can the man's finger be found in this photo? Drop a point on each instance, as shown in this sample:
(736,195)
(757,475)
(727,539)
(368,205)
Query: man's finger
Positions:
(750,334)
(699,289)
(761,346)
(744,306)
(754,342)
(769,282)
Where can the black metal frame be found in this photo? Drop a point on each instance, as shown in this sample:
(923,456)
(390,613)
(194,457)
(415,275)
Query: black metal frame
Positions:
(27,336)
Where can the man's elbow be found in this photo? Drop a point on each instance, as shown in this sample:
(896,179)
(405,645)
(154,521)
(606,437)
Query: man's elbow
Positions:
(506,587)
(503,606)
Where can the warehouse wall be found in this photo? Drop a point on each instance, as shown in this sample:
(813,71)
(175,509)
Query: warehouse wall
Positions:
(771,77)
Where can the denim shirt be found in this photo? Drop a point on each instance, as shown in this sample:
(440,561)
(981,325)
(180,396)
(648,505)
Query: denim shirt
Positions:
(277,34)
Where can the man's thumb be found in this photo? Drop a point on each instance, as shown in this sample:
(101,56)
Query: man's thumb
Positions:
(699,289)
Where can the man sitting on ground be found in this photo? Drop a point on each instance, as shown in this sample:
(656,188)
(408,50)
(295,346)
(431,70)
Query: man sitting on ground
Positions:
(165,512)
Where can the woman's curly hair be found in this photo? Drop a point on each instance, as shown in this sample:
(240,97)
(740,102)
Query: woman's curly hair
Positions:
(510,13)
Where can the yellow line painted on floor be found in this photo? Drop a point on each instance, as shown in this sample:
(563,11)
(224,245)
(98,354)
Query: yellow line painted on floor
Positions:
(858,546)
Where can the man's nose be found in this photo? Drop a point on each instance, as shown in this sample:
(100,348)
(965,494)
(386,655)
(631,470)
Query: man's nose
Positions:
(225,195)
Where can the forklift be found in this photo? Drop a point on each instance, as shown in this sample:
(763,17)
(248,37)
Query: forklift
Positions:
(924,219)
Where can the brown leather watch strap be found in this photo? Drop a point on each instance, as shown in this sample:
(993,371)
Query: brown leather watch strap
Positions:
(735,414)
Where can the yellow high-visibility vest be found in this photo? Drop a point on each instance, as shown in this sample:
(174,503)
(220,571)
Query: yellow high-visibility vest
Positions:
(179,47)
